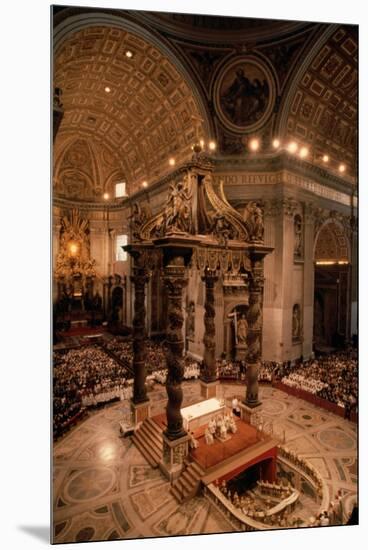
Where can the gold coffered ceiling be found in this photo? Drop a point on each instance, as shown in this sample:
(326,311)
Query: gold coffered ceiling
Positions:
(323,111)
(147,114)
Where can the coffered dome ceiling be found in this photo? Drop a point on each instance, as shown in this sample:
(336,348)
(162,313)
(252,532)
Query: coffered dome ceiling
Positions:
(322,110)
(126,115)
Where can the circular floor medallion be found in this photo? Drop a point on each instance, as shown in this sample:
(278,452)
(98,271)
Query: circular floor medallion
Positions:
(90,484)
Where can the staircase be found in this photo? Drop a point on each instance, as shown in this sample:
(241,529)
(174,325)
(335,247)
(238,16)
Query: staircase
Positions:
(188,483)
(148,440)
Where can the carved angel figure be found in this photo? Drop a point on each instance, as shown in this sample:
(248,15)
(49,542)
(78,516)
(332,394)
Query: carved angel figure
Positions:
(253,217)
(178,214)
(137,219)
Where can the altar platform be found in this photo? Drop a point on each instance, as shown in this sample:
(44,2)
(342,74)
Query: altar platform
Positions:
(225,459)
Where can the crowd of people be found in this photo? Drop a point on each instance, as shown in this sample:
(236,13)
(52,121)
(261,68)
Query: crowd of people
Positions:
(87,377)
(154,352)
(82,378)
(333,377)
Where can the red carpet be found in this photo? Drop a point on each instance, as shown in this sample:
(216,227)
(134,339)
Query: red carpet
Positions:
(208,456)
(82,331)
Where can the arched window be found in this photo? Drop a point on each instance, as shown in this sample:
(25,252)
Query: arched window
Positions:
(120,189)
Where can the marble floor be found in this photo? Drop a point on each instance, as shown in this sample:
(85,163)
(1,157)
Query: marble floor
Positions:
(103,488)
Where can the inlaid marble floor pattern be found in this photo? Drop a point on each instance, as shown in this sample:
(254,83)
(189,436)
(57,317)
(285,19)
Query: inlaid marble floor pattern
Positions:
(104,489)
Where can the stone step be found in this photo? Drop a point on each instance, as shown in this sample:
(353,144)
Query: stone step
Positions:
(176,493)
(152,437)
(152,460)
(150,453)
(196,467)
(190,477)
(148,443)
(155,427)
(184,484)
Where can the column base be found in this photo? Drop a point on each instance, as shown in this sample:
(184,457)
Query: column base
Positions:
(140,411)
(248,414)
(208,389)
(174,453)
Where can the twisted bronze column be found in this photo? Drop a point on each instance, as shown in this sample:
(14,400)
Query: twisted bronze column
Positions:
(175,281)
(209,368)
(139,279)
(254,318)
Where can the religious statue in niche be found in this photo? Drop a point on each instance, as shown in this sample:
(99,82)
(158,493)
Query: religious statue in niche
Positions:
(242,329)
(298,236)
(190,326)
(296,322)
(240,324)
(178,214)
(253,217)
(244,94)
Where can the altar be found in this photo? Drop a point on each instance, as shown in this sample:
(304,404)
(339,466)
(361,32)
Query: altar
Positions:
(200,413)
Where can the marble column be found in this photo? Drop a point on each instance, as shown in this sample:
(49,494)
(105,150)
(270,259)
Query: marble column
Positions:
(140,402)
(254,332)
(175,438)
(209,375)
(251,403)
(175,281)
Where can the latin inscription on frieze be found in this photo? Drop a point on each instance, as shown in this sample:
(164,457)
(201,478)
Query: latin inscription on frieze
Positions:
(248,179)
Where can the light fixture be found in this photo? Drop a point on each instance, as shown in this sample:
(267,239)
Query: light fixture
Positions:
(325,158)
(129,54)
(144,184)
(201,143)
(107,89)
(292,147)
(172,161)
(303,152)
(254,144)
(276,143)
(106,196)
(212,145)
(342,168)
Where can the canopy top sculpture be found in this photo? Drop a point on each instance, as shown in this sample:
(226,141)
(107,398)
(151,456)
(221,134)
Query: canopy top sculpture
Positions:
(194,209)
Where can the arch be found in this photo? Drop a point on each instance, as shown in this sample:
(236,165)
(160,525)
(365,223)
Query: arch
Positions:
(77,22)
(290,91)
(319,109)
(331,242)
(77,160)
(153,109)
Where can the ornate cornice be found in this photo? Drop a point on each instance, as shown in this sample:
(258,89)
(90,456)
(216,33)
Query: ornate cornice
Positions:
(273,162)
(115,205)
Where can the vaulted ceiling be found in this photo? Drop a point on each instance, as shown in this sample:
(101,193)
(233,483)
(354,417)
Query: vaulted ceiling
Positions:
(129,115)
(139,88)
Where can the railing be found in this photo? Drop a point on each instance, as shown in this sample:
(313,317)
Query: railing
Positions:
(242,521)
(308,472)
(315,400)
(236,517)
